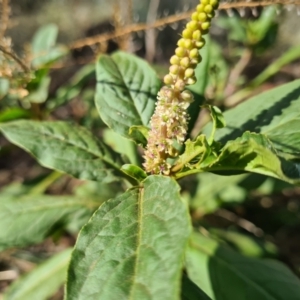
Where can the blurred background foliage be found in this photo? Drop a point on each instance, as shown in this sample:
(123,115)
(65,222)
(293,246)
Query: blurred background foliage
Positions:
(45,75)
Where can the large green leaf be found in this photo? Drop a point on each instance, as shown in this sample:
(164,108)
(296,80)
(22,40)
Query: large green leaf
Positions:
(250,153)
(65,147)
(255,153)
(43,281)
(26,220)
(275,113)
(132,248)
(126,91)
(223,274)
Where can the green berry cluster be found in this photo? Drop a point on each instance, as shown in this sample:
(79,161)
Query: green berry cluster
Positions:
(169,122)
(187,57)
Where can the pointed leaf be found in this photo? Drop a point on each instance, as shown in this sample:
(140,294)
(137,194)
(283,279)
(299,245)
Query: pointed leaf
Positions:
(29,219)
(43,281)
(65,147)
(275,113)
(126,91)
(224,274)
(132,248)
(255,153)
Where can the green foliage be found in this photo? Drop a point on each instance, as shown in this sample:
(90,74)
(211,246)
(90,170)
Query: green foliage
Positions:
(43,281)
(65,147)
(214,267)
(126,91)
(133,230)
(140,237)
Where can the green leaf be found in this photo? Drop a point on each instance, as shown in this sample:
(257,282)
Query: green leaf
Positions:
(65,147)
(195,153)
(40,93)
(211,189)
(30,219)
(14,113)
(132,248)
(190,291)
(139,134)
(43,281)
(255,153)
(126,91)
(44,50)
(134,172)
(224,274)
(275,113)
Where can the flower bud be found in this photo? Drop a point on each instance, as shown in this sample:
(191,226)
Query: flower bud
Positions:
(197,35)
(168,79)
(187,33)
(174,69)
(208,8)
(180,43)
(180,52)
(214,3)
(175,60)
(179,85)
(194,16)
(191,80)
(205,25)
(194,53)
(200,7)
(185,62)
(202,16)
(189,72)
(187,96)
(200,44)
(193,25)
(188,44)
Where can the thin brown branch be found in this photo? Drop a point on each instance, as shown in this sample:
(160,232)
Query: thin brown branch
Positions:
(168,20)
(15,58)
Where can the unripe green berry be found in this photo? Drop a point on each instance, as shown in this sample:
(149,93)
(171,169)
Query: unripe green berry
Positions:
(197,35)
(168,79)
(185,62)
(180,43)
(205,25)
(202,16)
(193,25)
(187,33)
(200,7)
(208,8)
(174,60)
(179,85)
(191,80)
(189,72)
(180,51)
(204,2)
(174,69)
(194,53)
(194,16)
